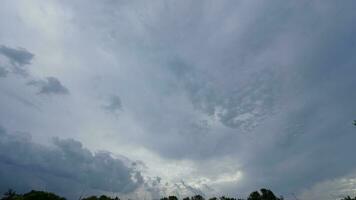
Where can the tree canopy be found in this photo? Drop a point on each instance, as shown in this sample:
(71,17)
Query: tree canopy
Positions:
(264,194)
(32,195)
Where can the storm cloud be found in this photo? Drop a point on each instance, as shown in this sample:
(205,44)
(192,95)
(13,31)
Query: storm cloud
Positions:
(66,166)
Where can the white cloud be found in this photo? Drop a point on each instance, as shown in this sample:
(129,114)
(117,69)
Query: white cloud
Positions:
(332,189)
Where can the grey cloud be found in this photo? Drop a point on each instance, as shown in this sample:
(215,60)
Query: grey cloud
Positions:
(155,188)
(337,188)
(3,72)
(22,100)
(114,105)
(2,131)
(18,58)
(158,189)
(68,167)
(286,80)
(50,85)
(191,190)
(242,106)
(281,72)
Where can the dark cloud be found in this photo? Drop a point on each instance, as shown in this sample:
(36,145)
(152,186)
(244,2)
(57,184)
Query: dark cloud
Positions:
(18,58)
(50,85)
(68,167)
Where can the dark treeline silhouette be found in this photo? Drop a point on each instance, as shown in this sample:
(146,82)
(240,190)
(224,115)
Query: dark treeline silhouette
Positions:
(40,195)
(263,194)
(33,195)
(349,198)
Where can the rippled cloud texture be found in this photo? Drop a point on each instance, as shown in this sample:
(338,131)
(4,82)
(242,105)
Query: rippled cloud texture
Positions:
(199,97)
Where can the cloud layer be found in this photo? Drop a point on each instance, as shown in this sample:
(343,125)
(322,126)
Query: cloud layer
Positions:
(66,167)
(230,95)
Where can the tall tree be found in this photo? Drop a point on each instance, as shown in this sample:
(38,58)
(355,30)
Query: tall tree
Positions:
(264,194)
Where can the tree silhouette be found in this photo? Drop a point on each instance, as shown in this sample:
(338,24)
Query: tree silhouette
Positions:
(9,195)
(264,194)
(349,198)
(226,198)
(40,195)
(197,197)
(32,195)
(254,196)
(102,197)
(172,198)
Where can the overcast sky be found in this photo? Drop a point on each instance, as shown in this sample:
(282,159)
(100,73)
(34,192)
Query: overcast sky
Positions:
(150,98)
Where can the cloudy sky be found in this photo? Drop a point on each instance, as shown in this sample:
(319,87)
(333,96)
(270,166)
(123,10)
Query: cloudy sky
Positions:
(150,98)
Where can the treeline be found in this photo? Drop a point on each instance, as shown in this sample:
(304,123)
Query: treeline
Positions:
(263,194)
(41,195)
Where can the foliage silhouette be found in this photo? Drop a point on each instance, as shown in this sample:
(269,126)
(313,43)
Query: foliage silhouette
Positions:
(10,194)
(102,197)
(197,197)
(263,194)
(348,198)
(32,195)
(170,198)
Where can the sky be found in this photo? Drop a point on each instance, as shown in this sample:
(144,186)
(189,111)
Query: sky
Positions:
(144,99)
